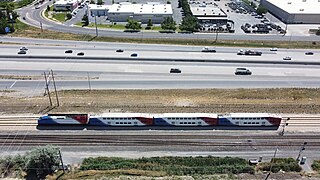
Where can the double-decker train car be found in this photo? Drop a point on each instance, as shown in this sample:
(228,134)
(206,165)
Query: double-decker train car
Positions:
(166,119)
(121,119)
(249,119)
(64,119)
(186,119)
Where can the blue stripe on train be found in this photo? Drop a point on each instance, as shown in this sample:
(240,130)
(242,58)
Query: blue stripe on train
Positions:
(225,122)
(161,122)
(96,122)
(46,120)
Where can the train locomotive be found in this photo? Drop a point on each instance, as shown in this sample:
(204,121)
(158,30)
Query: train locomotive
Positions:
(165,119)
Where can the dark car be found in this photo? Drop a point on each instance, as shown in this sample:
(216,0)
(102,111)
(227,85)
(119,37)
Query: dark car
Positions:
(119,50)
(68,51)
(22,52)
(134,55)
(80,54)
(23,49)
(175,70)
(309,53)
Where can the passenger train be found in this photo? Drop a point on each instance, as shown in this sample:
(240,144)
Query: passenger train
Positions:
(165,119)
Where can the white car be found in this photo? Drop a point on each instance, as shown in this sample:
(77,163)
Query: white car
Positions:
(274,49)
(287,58)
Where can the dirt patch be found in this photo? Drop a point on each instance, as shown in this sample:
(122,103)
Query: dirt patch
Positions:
(157,101)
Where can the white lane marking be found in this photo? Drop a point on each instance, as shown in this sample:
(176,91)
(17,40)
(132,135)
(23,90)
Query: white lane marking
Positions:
(13,84)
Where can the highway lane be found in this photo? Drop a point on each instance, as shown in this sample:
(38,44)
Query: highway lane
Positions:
(33,17)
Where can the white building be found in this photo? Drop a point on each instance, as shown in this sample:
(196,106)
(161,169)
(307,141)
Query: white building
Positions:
(208,12)
(294,11)
(140,12)
(64,5)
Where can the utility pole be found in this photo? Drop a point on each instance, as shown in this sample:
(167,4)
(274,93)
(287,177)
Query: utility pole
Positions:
(89,81)
(216,35)
(47,87)
(55,88)
(303,147)
(64,171)
(41,26)
(95,22)
(283,126)
(274,155)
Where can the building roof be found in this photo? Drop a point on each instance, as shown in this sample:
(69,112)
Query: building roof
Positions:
(65,2)
(99,7)
(206,10)
(126,7)
(298,6)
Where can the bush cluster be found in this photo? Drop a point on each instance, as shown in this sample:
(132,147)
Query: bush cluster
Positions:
(316,165)
(285,164)
(172,165)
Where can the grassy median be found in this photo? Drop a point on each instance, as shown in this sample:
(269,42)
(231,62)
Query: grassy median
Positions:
(23,30)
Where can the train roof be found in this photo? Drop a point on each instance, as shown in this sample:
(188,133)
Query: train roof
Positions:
(123,115)
(187,115)
(249,115)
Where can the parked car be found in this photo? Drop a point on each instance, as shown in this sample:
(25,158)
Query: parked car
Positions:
(274,49)
(68,51)
(287,58)
(175,70)
(23,49)
(80,54)
(309,53)
(243,71)
(22,52)
(119,50)
(134,55)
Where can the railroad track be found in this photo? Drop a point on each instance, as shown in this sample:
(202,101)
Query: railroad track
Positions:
(32,120)
(159,140)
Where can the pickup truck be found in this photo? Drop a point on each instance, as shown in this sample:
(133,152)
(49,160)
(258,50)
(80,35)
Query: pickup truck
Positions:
(208,50)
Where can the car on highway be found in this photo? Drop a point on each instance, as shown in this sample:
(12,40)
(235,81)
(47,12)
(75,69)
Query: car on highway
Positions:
(68,51)
(287,58)
(175,70)
(22,52)
(119,50)
(309,53)
(23,49)
(134,55)
(274,49)
(80,54)
(208,50)
(37,7)
(243,71)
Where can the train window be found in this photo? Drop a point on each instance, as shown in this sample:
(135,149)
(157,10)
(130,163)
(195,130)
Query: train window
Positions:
(257,122)
(109,122)
(189,122)
(245,118)
(249,122)
(193,123)
(180,123)
(169,118)
(121,122)
(199,122)
(124,122)
(250,118)
(104,118)
(172,122)
(244,122)
(129,122)
(263,122)
(233,118)
(117,122)
(237,122)
(241,118)
(135,123)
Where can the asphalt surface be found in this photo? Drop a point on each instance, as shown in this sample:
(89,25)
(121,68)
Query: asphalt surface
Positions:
(34,18)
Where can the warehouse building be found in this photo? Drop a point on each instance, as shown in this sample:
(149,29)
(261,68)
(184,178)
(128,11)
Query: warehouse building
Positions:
(208,12)
(65,5)
(294,11)
(141,12)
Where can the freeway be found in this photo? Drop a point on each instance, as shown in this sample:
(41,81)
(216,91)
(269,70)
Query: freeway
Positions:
(34,18)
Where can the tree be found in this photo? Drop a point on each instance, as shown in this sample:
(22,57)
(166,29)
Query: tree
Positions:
(69,16)
(168,24)
(99,2)
(92,2)
(253,5)
(42,161)
(3,25)
(48,8)
(85,20)
(133,24)
(189,23)
(149,23)
(261,10)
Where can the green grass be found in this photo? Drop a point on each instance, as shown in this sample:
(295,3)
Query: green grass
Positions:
(61,16)
(316,165)
(22,3)
(108,26)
